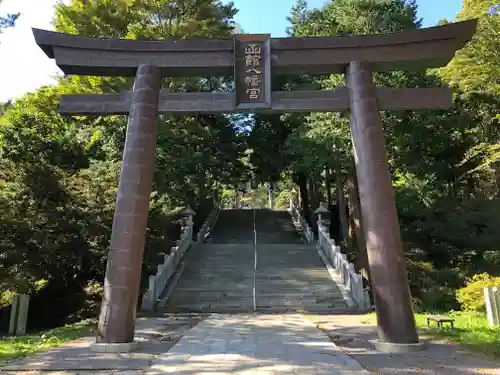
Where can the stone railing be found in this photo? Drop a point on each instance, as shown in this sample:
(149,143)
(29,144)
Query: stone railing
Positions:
(165,271)
(492,300)
(207,226)
(297,217)
(351,280)
(158,282)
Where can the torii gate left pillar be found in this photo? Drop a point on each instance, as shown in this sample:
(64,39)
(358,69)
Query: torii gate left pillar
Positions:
(123,270)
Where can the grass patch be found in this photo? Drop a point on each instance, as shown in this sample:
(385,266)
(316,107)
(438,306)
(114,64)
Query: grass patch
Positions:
(471,330)
(15,347)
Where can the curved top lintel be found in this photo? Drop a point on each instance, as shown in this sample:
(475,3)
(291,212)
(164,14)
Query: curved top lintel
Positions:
(107,56)
(461,31)
(47,40)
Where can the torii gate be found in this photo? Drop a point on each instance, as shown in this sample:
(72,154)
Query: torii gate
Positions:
(251,59)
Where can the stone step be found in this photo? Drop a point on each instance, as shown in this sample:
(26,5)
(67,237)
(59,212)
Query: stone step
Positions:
(223,303)
(302,309)
(242,308)
(209,309)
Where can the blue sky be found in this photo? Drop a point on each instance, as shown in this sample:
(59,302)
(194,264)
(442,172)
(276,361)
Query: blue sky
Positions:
(269,16)
(24,67)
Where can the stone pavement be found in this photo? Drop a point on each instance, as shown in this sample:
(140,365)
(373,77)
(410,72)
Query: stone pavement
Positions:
(157,336)
(254,345)
(353,335)
(229,344)
(257,345)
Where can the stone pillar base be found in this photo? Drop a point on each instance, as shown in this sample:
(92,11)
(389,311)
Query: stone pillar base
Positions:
(126,347)
(389,347)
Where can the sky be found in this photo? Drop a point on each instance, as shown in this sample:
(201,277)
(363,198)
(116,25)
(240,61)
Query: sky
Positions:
(24,67)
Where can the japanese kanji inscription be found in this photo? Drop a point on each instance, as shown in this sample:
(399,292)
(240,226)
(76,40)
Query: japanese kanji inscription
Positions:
(252,71)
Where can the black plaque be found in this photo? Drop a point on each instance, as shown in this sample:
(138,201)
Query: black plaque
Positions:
(252,71)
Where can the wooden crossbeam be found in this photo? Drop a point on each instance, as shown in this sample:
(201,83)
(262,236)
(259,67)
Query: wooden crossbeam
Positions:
(282,101)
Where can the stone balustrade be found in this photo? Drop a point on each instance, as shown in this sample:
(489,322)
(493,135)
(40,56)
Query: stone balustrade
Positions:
(207,226)
(159,281)
(351,280)
(297,217)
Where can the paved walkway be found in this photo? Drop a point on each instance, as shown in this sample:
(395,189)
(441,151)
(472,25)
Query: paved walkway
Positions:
(253,345)
(257,345)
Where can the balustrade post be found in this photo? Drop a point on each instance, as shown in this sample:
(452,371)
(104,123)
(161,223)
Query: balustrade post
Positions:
(189,213)
(19,315)
(292,199)
(492,301)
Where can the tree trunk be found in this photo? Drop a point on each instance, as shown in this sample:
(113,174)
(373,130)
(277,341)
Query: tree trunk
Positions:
(313,204)
(344,225)
(328,187)
(356,214)
(202,191)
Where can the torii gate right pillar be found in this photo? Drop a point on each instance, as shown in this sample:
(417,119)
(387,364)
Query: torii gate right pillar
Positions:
(395,318)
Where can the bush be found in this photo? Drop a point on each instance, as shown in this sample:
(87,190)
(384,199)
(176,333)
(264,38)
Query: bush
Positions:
(471,297)
(283,199)
(432,289)
(92,299)
(6,297)
(440,298)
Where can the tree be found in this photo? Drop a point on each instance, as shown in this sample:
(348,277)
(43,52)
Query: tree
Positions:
(8,20)
(476,65)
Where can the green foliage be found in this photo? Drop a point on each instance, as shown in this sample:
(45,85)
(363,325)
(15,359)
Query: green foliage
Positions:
(283,199)
(257,198)
(6,297)
(471,296)
(92,299)
(451,233)
(432,288)
(476,65)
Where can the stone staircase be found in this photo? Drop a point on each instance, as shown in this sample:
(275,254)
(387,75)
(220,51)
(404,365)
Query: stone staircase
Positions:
(219,276)
(292,277)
